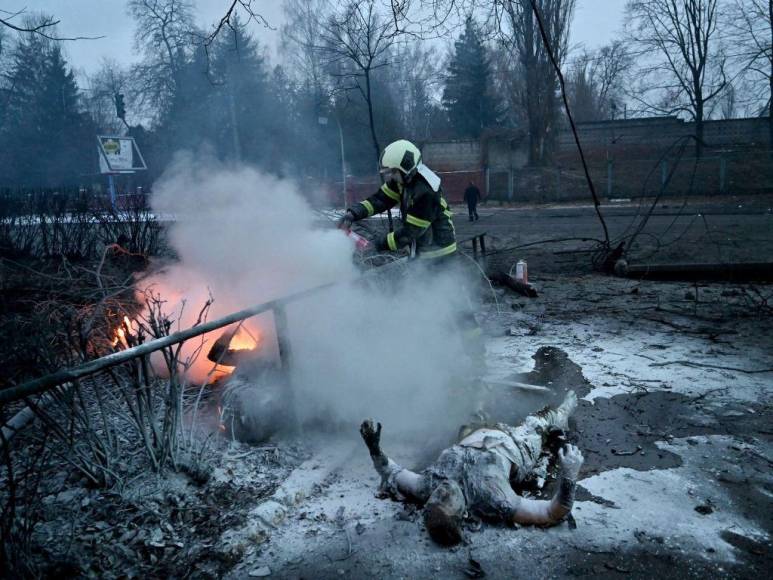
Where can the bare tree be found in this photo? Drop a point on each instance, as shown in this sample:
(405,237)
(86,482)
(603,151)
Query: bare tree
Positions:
(300,44)
(517,23)
(356,42)
(231,19)
(44,25)
(99,98)
(749,23)
(416,79)
(728,103)
(165,34)
(684,64)
(596,81)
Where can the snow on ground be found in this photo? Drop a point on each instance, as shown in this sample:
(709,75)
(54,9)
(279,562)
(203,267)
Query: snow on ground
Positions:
(635,518)
(673,518)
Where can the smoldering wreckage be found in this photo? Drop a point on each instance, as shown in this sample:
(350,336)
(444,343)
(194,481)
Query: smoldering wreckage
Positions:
(563,410)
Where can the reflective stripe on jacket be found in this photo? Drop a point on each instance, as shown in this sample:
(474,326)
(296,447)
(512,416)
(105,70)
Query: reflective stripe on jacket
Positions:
(427,219)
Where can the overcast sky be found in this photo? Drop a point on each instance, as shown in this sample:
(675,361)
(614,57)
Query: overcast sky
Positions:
(595,23)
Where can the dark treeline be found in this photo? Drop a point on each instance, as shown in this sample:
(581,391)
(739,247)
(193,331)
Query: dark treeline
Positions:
(349,80)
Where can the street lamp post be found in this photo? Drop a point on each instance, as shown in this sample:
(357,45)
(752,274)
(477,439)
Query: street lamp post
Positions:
(323,121)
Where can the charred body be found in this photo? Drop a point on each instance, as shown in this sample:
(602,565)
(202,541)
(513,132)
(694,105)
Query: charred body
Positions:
(477,477)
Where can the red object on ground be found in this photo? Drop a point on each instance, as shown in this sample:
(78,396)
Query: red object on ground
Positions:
(361,242)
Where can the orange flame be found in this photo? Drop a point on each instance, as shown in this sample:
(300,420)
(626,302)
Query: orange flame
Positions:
(120,336)
(194,351)
(243,339)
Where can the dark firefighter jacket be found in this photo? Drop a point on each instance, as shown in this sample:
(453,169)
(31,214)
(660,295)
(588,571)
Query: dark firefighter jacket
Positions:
(426,216)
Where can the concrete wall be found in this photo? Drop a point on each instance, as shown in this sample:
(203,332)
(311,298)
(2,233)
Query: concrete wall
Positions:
(640,135)
(504,154)
(452,155)
(624,158)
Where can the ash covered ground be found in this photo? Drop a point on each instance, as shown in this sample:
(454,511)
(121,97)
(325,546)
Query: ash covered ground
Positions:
(674,422)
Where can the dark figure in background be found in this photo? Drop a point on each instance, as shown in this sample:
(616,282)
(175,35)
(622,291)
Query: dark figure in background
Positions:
(475,476)
(472,196)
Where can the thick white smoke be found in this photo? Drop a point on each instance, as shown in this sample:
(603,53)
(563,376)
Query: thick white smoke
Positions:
(389,352)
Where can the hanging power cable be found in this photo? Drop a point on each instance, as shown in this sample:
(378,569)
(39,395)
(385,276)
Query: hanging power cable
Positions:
(548,47)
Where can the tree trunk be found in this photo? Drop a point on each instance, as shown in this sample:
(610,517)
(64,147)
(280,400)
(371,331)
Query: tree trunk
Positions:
(376,145)
(699,129)
(369,100)
(770,81)
(529,58)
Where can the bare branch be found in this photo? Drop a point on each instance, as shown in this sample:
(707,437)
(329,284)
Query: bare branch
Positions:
(227,21)
(44,27)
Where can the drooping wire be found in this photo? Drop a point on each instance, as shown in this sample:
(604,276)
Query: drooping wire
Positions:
(562,84)
(486,278)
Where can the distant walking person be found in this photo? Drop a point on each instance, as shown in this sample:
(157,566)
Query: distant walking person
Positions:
(471,196)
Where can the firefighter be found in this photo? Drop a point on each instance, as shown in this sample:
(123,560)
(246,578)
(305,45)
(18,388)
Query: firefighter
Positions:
(427,227)
(426,216)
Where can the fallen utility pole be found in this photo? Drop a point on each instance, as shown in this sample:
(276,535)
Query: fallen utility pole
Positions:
(519,286)
(43,384)
(734,272)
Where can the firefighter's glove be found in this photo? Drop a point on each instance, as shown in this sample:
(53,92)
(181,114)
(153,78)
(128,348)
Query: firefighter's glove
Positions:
(345,223)
(371,434)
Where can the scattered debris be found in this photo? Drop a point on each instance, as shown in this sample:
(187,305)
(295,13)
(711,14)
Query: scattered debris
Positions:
(689,363)
(616,568)
(474,569)
(261,572)
(705,508)
(624,453)
(523,288)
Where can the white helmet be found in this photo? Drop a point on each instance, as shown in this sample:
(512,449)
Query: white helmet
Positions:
(401,155)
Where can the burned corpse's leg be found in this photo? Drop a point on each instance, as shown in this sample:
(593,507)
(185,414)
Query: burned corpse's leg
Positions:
(530,435)
(559,418)
(395,481)
(542,512)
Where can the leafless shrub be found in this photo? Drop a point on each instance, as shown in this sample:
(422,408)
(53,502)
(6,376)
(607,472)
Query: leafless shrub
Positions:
(133,226)
(74,224)
(21,497)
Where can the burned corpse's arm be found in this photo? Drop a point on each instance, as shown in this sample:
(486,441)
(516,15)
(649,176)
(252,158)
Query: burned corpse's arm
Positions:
(544,512)
(395,480)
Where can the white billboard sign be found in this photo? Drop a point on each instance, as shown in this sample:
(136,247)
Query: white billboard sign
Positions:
(117,155)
